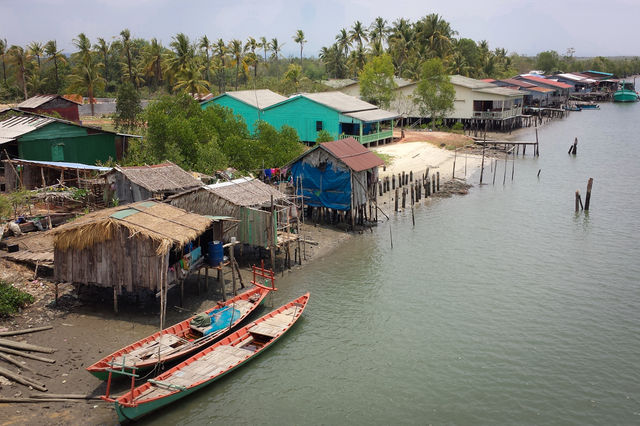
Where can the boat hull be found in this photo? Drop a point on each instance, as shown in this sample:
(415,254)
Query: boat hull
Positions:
(625,96)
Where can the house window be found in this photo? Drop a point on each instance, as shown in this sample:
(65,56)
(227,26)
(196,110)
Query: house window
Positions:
(318,126)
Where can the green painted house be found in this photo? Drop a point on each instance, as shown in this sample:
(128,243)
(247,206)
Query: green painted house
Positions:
(341,115)
(36,137)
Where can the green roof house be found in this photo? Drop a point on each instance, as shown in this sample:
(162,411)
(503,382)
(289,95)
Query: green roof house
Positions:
(341,115)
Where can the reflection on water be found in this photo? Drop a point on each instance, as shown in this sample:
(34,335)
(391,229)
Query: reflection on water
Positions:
(500,307)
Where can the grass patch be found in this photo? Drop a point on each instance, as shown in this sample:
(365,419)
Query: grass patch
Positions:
(12,299)
(388,159)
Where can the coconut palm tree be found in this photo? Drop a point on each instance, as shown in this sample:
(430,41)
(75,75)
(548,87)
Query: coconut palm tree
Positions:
(3,52)
(20,58)
(83,44)
(103,48)
(36,49)
(333,60)
(87,78)
(154,59)
(220,51)
(236,50)
(55,55)
(252,58)
(190,80)
(299,38)
(126,46)
(264,44)
(358,33)
(276,49)
(206,46)
(379,31)
(343,41)
(401,43)
(184,53)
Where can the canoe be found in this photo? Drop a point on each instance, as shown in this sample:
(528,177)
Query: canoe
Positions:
(210,364)
(181,339)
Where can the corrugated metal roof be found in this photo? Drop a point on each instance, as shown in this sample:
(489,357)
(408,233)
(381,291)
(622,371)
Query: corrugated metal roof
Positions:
(62,165)
(372,115)
(36,101)
(502,91)
(546,81)
(402,82)
(519,83)
(338,83)
(470,83)
(539,89)
(260,99)
(356,156)
(166,177)
(339,101)
(14,127)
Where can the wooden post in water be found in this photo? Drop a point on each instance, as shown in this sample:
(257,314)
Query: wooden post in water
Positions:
(537,148)
(482,165)
(455,156)
(232,261)
(504,178)
(578,201)
(495,168)
(403,181)
(539,170)
(433,184)
(396,201)
(380,188)
(404,198)
(438,181)
(393,181)
(513,163)
(410,175)
(573,149)
(587,199)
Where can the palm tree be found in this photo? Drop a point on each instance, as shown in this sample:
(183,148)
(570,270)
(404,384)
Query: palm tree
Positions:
(87,78)
(126,46)
(205,45)
(294,75)
(401,43)
(333,60)
(35,49)
(236,50)
(3,52)
(276,48)
(55,55)
(299,38)
(184,53)
(357,60)
(264,44)
(83,44)
(20,59)
(220,50)
(103,48)
(435,36)
(190,80)
(154,59)
(251,46)
(358,33)
(379,31)
(343,41)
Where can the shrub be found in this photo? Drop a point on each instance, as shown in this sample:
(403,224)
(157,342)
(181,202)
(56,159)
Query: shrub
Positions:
(12,299)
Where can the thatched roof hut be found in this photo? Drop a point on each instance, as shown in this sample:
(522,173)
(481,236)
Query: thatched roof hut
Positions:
(126,246)
(242,199)
(137,183)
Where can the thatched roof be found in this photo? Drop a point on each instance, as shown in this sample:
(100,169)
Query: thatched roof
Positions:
(164,224)
(247,192)
(165,177)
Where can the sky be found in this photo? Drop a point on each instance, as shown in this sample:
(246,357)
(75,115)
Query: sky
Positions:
(524,27)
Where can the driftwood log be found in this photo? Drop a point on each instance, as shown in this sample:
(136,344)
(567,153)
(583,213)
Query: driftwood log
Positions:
(25,346)
(22,379)
(26,355)
(63,395)
(15,362)
(25,331)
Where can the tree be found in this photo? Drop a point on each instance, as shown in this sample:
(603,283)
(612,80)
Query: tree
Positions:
(324,136)
(376,81)
(154,60)
(434,93)
(548,61)
(55,55)
(87,78)
(103,49)
(236,50)
(206,46)
(343,42)
(3,52)
(19,58)
(83,44)
(35,49)
(265,45)
(294,75)
(184,53)
(299,38)
(220,50)
(190,80)
(358,33)
(128,107)
(379,31)
(126,45)
(251,46)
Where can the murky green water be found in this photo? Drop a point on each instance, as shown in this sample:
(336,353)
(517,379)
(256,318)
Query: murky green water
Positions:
(500,307)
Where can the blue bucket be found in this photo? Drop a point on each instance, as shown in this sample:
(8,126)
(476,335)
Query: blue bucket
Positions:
(216,253)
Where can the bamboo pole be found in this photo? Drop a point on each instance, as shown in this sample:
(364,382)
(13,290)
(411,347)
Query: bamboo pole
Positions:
(26,355)
(25,346)
(22,379)
(25,331)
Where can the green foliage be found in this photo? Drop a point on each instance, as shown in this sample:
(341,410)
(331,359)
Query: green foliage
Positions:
(324,136)
(548,61)
(5,206)
(12,299)
(434,93)
(387,158)
(376,81)
(128,107)
(19,199)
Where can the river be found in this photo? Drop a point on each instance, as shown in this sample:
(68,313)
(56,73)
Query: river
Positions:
(500,307)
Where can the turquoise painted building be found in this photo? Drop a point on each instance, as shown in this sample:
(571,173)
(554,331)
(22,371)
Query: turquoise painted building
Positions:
(341,115)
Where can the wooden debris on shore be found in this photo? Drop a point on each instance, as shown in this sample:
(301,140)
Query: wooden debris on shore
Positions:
(25,331)
(27,381)
(26,355)
(25,346)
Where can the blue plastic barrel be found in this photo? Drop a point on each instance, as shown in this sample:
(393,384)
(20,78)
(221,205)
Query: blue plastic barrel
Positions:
(216,253)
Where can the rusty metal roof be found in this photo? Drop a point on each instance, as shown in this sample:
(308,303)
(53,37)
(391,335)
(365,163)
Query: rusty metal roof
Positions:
(356,156)
(38,100)
(546,81)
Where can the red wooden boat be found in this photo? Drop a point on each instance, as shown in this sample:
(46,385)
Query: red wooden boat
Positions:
(210,364)
(183,338)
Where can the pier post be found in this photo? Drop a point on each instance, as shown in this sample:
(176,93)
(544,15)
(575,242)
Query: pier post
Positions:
(482,164)
(438,181)
(578,201)
(455,156)
(380,188)
(404,198)
(433,184)
(410,175)
(396,200)
(393,181)
(587,199)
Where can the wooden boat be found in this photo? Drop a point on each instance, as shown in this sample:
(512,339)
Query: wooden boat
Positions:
(210,364)
(183,338)
(626,93)
(587,105)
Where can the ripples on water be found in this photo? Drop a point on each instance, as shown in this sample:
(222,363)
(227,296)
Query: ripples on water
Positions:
(500,307)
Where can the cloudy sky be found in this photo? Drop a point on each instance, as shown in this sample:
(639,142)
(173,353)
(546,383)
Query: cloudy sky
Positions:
(522,26)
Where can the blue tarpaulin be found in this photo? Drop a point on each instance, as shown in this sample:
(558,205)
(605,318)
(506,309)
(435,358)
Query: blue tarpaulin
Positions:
(222,318)
(324,187)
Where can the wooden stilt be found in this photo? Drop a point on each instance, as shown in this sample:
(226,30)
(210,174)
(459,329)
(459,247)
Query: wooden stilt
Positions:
(587,199)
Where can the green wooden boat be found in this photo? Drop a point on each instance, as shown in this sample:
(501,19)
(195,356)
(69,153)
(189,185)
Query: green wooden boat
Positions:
(626,93)
(208,365)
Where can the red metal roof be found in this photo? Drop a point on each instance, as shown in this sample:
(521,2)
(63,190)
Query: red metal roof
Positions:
(353,154)
(518,83)
(488,80)
(547,82)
